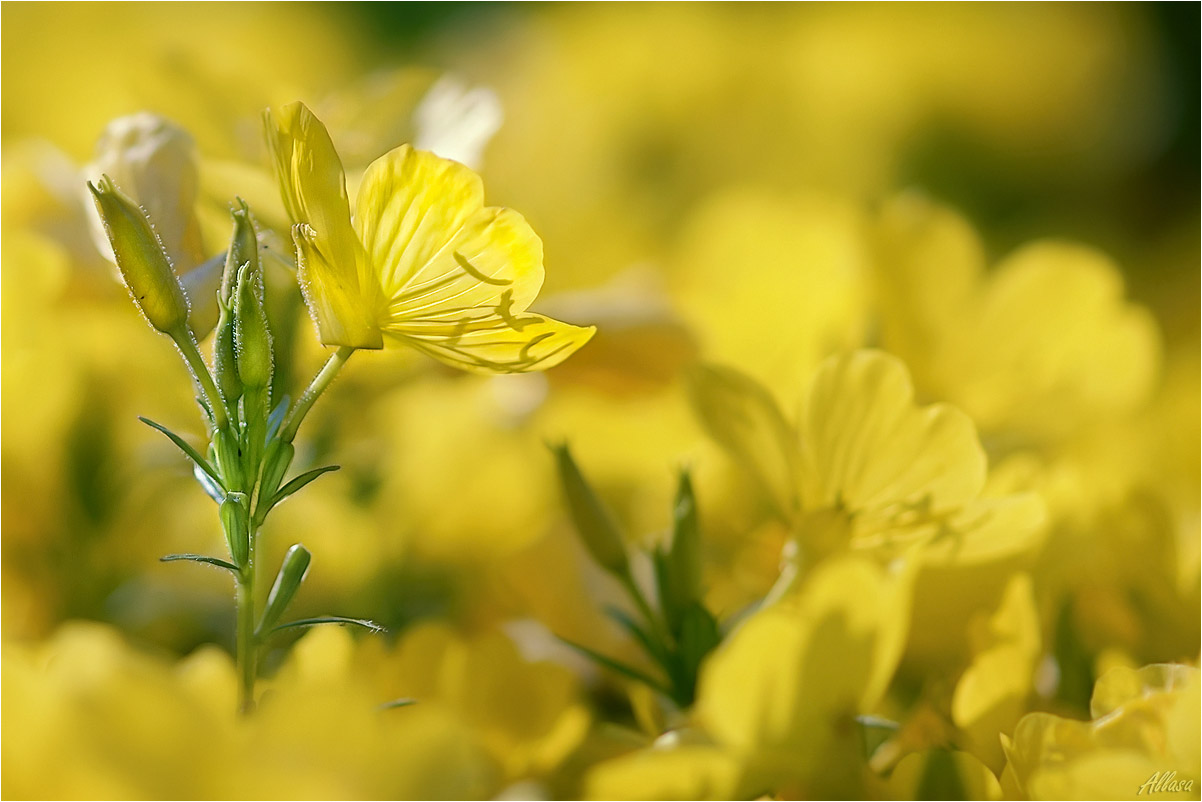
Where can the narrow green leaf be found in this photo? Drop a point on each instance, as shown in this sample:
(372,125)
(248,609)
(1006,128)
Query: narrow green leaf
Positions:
(619,667)
(200,558)
(395,703)
(299,482)
(331,619)
(191,452)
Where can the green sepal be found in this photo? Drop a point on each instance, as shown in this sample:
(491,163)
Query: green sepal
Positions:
(200,558)
(188,450)
(617,666)
(371,626)
(235,520)
(593,520)
(287,583)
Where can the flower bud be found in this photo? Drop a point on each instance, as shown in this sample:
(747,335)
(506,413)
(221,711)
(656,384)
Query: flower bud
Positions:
(275,464)
(225,365)
(287,582)
(141,259)
(252,338)
(681,581)
(155,162)
(228,455)
(235,520)
(244,249)
(593,521)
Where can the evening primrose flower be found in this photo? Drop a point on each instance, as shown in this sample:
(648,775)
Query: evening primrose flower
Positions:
(1143,739)
(421,262)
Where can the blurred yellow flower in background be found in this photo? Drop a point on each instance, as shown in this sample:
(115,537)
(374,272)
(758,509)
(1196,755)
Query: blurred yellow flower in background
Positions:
(1145,724)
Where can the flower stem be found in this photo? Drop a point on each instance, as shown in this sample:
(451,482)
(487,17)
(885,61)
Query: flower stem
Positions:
(186,342)
(320,382)
(247,647)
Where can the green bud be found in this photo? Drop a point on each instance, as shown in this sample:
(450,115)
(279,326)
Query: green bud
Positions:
(244,249)
(235,520)
(275,464)
(225,367)
(287,582)
(228,456)
(593,521)
(252,338)
(680,582)
(140,257)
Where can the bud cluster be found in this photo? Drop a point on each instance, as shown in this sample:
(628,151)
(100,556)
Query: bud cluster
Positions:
(250,423)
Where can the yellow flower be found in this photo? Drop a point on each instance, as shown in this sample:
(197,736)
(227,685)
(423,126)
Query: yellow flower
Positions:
(1143,739)
(777,702)
(422,262)
(866,467)
(992,694)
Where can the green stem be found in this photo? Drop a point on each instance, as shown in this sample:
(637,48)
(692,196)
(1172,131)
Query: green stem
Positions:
(247,652)
(200,372)
(320,382)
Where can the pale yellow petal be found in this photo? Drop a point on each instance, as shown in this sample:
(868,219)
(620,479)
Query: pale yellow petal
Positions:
(992,694)
(939,774)
(410,205)
(341,293)
(330,291)
(784,688)
(928,263)
(868,448)
(440,254)
(1053,344)
(686,772)
(495,344)
(743,418)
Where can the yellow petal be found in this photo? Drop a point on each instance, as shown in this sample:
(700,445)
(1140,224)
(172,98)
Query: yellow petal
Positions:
(867,447)
(495,344)
(439,253)
(991,696)
(693,771)
(784,689)
(1054,344)
(333,270)
(332,294)
(936,774)
(741,415)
